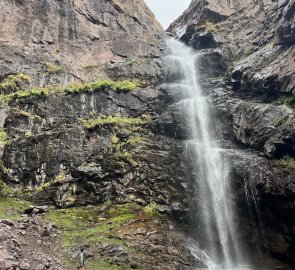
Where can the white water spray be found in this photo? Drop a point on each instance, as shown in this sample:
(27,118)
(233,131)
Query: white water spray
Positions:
(208,168)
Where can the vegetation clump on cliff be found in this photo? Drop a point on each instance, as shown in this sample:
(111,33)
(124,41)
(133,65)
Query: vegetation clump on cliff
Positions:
(116,120)
(50,68)
(287,162)
(12,82)
(127,133)
(3,137)
(73,88)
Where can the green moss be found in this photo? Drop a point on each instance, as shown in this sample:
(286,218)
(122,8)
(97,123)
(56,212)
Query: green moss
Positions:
(60,178)
(90,67)
(86,226)
(50,68)
(116,120)
(286,162)
(3,168)
(101,265)
(3,136)
(129,62)
(151,210)
(4,190)
(105,265)
(25,94)
(43,187)
(208,26)
(289,100)
(12,208)
(12,82)
(122,150)
(125,85)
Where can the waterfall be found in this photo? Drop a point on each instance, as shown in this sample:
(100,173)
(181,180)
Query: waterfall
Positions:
(208,168)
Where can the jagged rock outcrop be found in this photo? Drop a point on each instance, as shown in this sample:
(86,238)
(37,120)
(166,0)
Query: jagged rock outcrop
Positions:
(64,41)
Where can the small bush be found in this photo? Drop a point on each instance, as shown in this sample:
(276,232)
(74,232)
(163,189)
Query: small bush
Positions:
(151,210)
(4,190)
(12,82)
(50,68)
(129,62)
(3,136)
(287,162)
(289,100)
(208,26)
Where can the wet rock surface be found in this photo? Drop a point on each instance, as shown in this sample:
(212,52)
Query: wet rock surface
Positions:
(251,93)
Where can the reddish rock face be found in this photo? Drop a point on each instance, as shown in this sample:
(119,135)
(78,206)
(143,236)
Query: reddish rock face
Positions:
(60,41)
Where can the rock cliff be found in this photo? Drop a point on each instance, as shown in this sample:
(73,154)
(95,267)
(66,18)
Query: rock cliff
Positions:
(82,123)
(88,129)
(247,67)
(64,41)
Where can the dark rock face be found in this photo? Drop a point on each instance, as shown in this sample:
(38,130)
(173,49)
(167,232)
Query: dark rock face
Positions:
(49,144)
(255,69)
(64,41)
(286,28)
(55,156)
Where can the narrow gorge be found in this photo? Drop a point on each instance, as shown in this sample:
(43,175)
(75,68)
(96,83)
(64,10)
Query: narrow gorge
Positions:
(150,149)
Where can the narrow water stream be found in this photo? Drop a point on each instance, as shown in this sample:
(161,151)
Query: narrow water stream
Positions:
(208,168)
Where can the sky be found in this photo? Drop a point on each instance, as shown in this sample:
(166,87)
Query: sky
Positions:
(167,11)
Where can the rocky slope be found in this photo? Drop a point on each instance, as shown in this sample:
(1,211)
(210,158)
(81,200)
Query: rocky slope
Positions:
(249,47)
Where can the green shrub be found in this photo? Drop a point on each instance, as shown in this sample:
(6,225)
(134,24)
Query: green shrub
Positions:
(151,210)
(90,67)
(287,162)
(129,62)
(12,82)
(208,26)
(50,68)
(289,100)
(12,208)
(3,136)
(4,190)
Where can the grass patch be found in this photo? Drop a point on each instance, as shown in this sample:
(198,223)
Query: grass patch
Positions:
(52,69)
(90,67)
(12,208)
(87,226)
(105,265)
(151,210)
(3,136)
(13,82)
(286,162)
(125,85)
(122,150)
(101,265)
(208,26)
(129,62)
(288,100)
(116,120)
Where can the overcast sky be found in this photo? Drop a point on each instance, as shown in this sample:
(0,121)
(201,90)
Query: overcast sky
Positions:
(167,11)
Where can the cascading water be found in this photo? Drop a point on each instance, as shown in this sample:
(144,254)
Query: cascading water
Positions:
(208,167)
